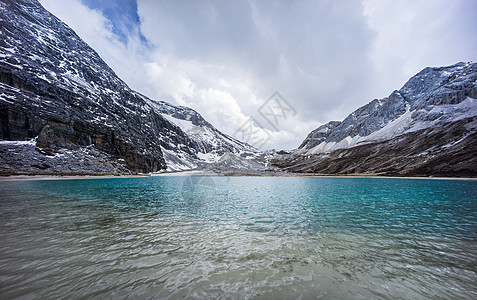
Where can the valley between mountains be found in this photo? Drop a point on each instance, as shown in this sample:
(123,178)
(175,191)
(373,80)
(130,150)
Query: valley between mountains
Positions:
(64,111)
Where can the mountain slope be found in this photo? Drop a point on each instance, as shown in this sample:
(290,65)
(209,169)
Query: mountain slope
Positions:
(428,127)
(56,92)
(210,145)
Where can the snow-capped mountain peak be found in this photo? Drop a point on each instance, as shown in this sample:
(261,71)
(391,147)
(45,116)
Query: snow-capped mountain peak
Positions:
(434,96)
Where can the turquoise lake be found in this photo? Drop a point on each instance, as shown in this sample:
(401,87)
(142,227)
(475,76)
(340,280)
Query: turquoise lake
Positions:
(238,238)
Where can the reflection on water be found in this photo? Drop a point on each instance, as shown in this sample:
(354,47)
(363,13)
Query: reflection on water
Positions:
(212,237)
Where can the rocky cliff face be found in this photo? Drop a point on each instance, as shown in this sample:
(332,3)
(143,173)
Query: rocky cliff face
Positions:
(428,127)
(56,92)
(319,135)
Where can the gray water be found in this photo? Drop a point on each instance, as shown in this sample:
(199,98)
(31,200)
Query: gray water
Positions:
(238,238)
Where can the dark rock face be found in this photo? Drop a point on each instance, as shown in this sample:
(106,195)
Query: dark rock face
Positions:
(319,135)
(55,88)
(428,127)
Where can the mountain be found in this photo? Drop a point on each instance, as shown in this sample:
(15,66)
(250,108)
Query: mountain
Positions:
(428,127)
(209,145)
(64,110)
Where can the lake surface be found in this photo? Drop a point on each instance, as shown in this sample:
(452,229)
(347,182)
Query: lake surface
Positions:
(238,238)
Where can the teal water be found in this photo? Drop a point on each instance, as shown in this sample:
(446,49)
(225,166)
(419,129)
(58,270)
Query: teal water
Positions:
(238,238)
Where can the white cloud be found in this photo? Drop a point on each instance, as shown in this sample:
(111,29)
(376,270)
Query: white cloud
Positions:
(296,48)
(414,34)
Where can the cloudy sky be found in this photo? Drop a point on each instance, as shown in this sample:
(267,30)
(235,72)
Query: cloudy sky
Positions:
(226,59)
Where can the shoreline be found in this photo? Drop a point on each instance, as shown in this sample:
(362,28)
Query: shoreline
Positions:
(6,178)
(25,177)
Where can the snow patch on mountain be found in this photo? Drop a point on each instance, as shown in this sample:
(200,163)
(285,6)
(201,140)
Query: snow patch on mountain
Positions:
(210,144)
(410,121)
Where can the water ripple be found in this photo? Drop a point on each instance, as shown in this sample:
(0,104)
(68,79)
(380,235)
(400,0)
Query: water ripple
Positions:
(243,238)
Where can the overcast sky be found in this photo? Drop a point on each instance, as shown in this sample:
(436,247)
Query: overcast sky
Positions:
(225,59)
